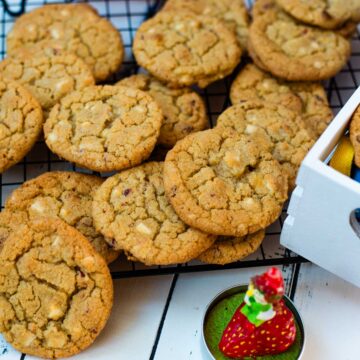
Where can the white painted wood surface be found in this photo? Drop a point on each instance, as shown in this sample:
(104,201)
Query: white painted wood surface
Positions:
(329,306)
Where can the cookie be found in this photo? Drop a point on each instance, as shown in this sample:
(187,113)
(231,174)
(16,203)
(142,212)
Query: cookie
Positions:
(184,49)
(224,185)
(76,28)
(355,135)
(233,13)
(56,292)
(64,195)
(131,207)
(226,250)
(294,51)
(323,13)
(262,7)
(183,109)
(104,128)
(21,122)
(281,128)
(48,74)
(308,99)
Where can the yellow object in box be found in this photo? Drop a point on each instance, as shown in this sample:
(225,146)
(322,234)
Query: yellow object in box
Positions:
(343,157)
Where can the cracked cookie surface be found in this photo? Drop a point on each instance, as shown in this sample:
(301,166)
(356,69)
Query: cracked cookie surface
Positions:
(56,292)
(48,74)
(233,13)
(21,122)
(64,195)
(307,99)
(323,13)
(282,129)
(224,183)
(183,109)
(226,250)
(10,221)
(131,207)
(76,28)
(184,49)
(104,128)
(355,135)
(284,46)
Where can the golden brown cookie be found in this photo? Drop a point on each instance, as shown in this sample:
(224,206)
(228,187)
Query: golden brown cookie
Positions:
(183,48)
(76,28)
(294,51)
(56,292)
(232,12)
(323,13)
(104,128)
(262,7)
(183,109)
(308,99)
(48,74)
(355,135)
(64,195)
(21,122)
(226,250)
(131,207)
(281,128)
(224,184)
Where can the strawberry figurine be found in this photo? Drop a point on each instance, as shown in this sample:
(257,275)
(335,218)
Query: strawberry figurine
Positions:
(262,325)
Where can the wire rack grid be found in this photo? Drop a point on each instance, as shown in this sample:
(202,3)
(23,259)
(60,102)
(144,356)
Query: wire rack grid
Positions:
(127,15)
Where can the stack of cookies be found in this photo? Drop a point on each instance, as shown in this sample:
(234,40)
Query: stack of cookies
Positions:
(214,191)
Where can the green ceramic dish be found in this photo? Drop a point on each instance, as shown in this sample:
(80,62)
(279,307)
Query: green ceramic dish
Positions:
(225,303)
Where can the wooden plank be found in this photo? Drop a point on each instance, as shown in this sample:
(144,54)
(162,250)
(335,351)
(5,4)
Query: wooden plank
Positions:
(330,308)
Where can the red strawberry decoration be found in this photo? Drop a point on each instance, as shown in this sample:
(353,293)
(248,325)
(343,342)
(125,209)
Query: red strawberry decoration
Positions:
(262,325)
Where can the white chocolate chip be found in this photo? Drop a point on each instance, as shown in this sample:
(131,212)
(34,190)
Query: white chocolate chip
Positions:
(250,129)
(269,186)
(64,85)
(318,64)
(36,206)
(30,28)
(117,192)
(55,34)
(231,159)
(52,137)
(139,109)
(143,229)
(179,26)
(54,338)
(88,261)
(252,116)
(266,84)
(64,12)
(57,241)
(28,338)
(314,45)
(55,312)
(63,213)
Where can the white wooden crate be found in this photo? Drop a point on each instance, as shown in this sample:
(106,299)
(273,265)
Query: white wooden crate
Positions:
(318,223)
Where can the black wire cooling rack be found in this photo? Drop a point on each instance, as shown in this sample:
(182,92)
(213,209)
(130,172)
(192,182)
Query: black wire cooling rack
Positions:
(127,15)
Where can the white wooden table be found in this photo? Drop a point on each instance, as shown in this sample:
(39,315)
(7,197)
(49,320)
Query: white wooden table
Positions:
(160,317)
